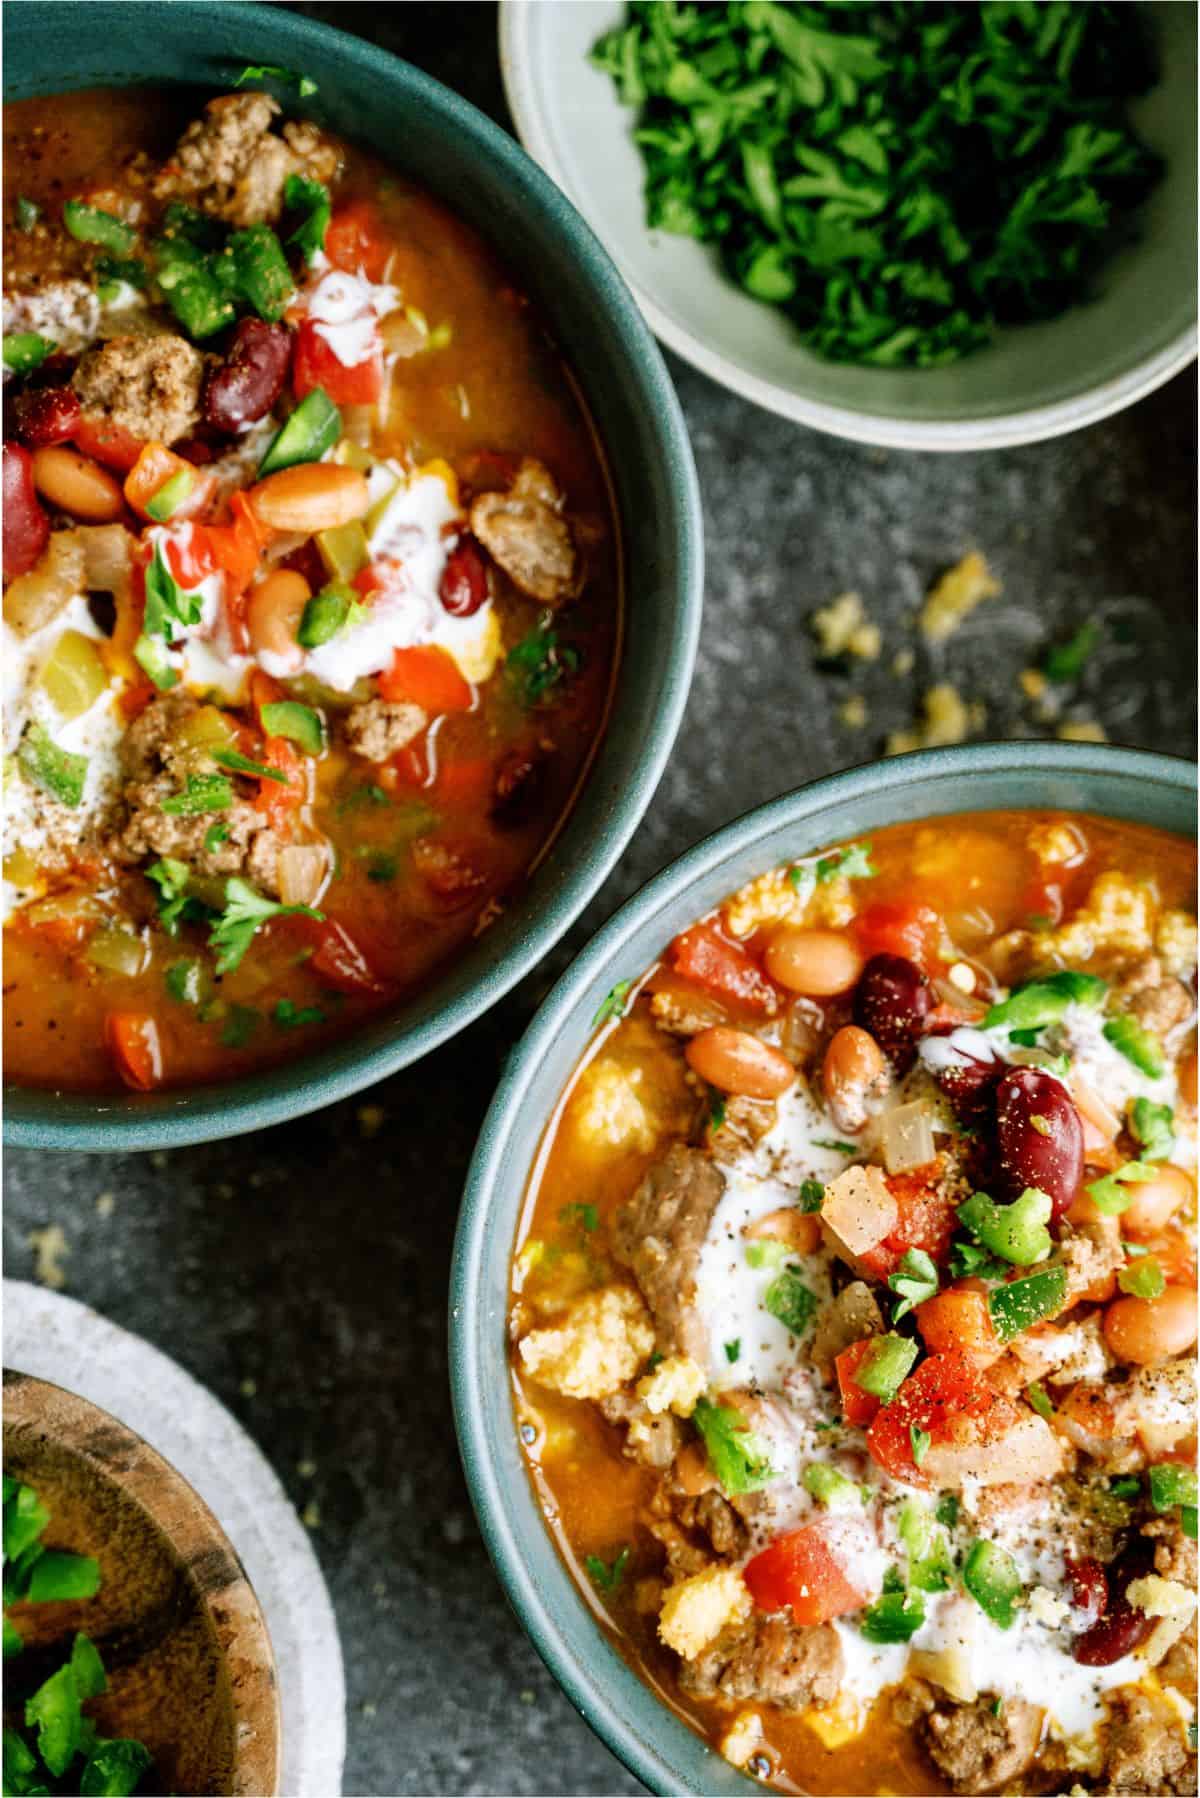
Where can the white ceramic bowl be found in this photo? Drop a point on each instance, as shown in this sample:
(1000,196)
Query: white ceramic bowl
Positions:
(1035,381)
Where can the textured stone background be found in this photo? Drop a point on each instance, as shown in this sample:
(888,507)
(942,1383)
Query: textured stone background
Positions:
(301,1274)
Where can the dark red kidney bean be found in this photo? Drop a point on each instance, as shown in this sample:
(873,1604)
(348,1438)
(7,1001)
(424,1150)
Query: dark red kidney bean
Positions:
(1089,1587)
(44,415)
(251,377)
(1040,1136)
(464,584)
(970,1085)
(1122,1628)
(26,526)
(892,1000)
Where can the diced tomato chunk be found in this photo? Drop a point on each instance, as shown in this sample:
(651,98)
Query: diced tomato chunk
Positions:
(858,1407)
(235,549)
(107,442)
(943,1389)
(134,1045)
(274,798)
(428,676)
(708,960)
(315,364)
(927,1220)
(815,1572)
(355,240)
(340,961)
(892,928)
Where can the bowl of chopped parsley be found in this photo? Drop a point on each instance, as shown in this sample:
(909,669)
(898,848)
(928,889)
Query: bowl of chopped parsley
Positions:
(136,1658)
(944,227)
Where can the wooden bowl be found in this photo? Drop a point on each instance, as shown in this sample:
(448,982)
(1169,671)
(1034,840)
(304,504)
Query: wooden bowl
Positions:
(190,1667)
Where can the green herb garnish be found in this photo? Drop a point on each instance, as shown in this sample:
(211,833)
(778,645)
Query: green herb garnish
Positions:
(538,663)
(269,71)
(733,1350)
(1154,1127)
(311,201)
(916,1279)
(245,913)
(1065,661)
(604,1575)
(811,1195)
(587,1217)
(244,764)
(290,1016)
(613,1003)
(852,863)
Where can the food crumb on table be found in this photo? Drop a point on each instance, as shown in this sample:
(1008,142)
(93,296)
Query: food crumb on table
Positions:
(50,1250)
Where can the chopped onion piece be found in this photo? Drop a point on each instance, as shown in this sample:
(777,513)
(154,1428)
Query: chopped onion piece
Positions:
(859,1209)
(303,871)
(117,951)
(908,1137)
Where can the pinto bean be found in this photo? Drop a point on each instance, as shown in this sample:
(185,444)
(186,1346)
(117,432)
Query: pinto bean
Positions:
(314,496)
(76,484)
(854,1064)
(250,379)
(1156,1201)
(1150,1331)
(274,613)
(1040,1136)
(736,1062)
(26,527)
(817,963)
(892,1000)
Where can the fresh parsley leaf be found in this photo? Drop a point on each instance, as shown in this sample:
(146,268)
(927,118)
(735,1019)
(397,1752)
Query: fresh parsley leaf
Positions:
(811,1196)
(171,877)
(290,1016)
(613,1004)
(837,1148)
(214,836)
(851,863)
(586,1216)
(916,1279)
(310,201)
(539,663)
(604,1576)
(1065,661)
(245,912)
(269,71)
(919,1441)
(733,1350)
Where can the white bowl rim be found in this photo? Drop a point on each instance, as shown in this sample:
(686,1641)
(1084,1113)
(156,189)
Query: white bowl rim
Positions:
(1033,424)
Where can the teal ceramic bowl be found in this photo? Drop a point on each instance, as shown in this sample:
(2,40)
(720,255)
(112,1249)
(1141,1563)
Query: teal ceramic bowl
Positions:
(1118,783)
(430,133)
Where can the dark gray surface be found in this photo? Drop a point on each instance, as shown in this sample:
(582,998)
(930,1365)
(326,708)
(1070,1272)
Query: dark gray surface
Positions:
(301,1274)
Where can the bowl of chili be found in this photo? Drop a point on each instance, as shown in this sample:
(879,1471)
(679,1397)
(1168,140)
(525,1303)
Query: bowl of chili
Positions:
(435,139)
(570,1629)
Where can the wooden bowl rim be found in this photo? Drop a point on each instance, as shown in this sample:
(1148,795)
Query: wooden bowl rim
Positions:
(36,1410)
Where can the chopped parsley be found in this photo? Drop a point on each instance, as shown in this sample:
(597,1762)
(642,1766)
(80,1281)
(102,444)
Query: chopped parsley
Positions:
(768,1252)
(290,1016)
(239,1026)
(919,1442)
(836,1148)
(811,1196)
(309,201)
(587,1217)
(613,1003)
(185,981)
(716,1110)
(269,71)
(916,1279)
(538,663)
(168,605)
(28,213)
(740,1459)
(733,1350)
(946,1510)
(172,878)
(896,1617)
(901,180)
(245,912)
(1065,661)
(852,863)
(214,836)
(606,1576)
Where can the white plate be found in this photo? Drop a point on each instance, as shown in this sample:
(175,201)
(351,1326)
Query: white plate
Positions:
(1034,382)
(58,1339)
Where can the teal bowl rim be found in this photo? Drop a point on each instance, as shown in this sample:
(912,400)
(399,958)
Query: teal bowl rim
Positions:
(652,1742)
(44,1119)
